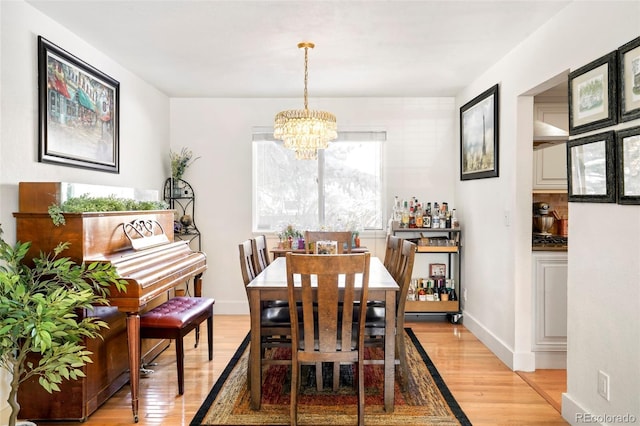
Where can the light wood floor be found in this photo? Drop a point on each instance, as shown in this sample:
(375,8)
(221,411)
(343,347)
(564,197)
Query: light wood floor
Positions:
(488,392)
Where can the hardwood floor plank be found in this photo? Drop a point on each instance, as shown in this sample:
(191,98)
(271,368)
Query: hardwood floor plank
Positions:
(488,392)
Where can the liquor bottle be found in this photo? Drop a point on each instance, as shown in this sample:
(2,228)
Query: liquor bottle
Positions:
(430,296)
(396,209)
(419,215)
(435,217)
(454,219)
(442,219)
(412,218)
(404,223)
(452,291)
(426,219)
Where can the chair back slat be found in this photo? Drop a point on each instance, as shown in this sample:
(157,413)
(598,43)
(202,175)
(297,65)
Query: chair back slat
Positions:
(392,254)
(261,253)
(247,261)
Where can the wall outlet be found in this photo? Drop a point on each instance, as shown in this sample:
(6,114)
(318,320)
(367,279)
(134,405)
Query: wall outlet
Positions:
(603,384)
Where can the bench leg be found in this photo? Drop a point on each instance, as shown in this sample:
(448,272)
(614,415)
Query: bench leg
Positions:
(180,363)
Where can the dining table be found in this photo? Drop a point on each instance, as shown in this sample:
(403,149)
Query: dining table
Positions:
(271,284)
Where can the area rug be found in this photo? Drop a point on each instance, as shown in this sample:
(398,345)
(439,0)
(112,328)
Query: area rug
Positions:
(426,400)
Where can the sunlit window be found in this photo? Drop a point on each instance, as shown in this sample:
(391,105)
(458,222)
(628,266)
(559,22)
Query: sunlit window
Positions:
(341,190)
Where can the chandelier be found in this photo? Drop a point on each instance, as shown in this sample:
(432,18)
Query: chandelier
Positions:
(302,130)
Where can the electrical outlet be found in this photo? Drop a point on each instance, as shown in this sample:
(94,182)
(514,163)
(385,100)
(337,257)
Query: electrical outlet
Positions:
(603,384)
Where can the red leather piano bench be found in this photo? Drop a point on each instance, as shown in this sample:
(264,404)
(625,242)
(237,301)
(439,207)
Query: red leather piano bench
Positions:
(174,319)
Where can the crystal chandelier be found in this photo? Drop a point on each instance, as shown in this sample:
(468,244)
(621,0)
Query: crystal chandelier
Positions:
(302,130)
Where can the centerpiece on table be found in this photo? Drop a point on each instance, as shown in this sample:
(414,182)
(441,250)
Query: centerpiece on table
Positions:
(290,238)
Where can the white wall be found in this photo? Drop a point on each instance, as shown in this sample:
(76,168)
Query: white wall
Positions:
(603,332)
(144,112)
(144,119)
(419,161)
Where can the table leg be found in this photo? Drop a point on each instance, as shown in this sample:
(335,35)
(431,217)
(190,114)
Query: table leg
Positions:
(389,350)
(133,340)
(255,362)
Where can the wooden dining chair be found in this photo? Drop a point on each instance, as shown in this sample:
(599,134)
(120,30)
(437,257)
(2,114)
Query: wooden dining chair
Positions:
(375,318)
(344,239)
(261,252)
(275,323)
(328,333)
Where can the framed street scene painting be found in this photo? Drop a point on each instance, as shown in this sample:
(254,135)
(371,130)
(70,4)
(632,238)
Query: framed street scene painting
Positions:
(78,112)
(479,136)
(593,94)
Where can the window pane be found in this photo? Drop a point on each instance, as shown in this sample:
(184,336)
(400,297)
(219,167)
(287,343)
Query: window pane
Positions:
(353,185)
(286,191)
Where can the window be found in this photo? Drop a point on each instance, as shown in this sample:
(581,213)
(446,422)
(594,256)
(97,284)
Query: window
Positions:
(341,190)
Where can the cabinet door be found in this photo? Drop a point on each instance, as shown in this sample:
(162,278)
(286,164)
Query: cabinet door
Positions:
(550,301)
(550,168)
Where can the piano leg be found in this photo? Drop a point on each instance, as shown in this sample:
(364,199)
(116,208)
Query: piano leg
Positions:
(133,339)
(197,292)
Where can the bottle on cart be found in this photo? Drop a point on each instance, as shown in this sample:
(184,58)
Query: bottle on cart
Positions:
(435,218)
(454,219)
(419,216)
(397,216)
(442,219)
(452,291)
(412,218)
(404,222)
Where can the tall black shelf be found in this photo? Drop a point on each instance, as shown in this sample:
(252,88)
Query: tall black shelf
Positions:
(179,194)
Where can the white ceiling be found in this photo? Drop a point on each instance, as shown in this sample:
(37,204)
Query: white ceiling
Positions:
(241,48)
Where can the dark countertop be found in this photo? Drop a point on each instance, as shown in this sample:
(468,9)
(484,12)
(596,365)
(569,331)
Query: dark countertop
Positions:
(549,247)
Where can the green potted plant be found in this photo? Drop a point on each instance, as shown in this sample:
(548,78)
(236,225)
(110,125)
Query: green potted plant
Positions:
(41,333)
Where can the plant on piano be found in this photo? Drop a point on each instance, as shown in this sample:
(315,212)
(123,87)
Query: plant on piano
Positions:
(41,334)
(86,203)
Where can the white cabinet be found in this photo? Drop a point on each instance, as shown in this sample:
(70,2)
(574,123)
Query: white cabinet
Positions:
(550,169)
(550,301)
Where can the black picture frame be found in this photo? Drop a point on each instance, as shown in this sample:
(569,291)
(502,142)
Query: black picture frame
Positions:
(78,109)
(591,172)
(628,165)
(629,80)
(479,136)
(593,95)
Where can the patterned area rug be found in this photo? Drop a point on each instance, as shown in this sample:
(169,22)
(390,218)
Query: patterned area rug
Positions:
(425,401)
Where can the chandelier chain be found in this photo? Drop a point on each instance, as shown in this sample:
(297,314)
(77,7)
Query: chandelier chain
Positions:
(306,77)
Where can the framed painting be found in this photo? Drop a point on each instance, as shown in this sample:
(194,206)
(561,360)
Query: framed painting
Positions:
(593,94)
(629,70)
(591,168)
(78,112)
(479,136)
(628,165)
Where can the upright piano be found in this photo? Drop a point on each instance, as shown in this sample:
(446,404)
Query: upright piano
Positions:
(141,246)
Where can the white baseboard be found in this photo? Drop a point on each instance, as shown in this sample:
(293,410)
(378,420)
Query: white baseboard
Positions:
(571,410)
(524,361)
(553,360)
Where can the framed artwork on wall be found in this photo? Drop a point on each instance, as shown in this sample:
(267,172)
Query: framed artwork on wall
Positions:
(437,269)
(629,70)
(591,168)
(479,136)
(593,94)
(78,109)
(628,165)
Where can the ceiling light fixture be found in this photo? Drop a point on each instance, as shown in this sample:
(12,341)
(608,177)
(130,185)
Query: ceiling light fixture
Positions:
(302,130)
